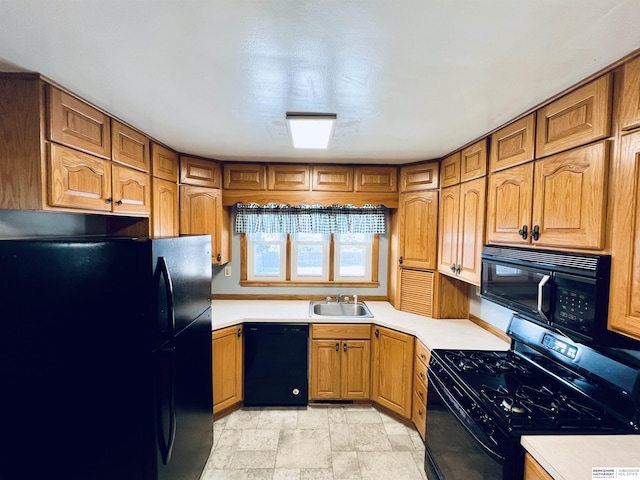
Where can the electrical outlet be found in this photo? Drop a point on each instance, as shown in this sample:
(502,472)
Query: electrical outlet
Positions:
(227,271)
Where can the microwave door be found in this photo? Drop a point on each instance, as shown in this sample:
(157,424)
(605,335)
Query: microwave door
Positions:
(544,303)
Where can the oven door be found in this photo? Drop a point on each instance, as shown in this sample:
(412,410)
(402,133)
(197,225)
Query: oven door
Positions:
(457,447)
(526,290)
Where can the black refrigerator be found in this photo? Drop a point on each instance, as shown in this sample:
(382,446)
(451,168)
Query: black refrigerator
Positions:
(105,358)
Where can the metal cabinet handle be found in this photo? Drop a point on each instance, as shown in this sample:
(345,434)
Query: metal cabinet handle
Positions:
(109,200)
(453,267)
(535,232)
(337,347)
(524,232)
(421,375)
(400,260)
(218,257)
(377,333)
(239,332)
(423,356)
(420,412)
(458,269)
(344,347)
(119,202)
(420,394)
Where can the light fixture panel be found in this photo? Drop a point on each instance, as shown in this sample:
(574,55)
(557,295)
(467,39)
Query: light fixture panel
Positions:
(311,130)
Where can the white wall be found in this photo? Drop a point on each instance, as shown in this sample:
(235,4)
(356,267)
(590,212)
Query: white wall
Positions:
(488,311)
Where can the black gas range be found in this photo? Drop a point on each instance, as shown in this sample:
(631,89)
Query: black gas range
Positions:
(480,403)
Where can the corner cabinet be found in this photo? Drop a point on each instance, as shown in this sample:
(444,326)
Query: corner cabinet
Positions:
(559,201)
(624,301)
(392,369)
(340,362)
(227,344)
(418,224)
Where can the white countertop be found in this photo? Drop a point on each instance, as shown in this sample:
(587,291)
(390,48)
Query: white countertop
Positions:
(572,457)
(433,333)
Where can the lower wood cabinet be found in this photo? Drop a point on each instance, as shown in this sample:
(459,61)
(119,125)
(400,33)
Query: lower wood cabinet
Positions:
(227,367)
(392,369)
(340,362)
(420,365)
(533,470)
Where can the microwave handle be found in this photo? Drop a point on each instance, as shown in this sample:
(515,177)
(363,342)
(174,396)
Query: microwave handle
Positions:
(545,279)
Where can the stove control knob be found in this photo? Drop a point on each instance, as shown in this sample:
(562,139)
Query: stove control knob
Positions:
(487,426)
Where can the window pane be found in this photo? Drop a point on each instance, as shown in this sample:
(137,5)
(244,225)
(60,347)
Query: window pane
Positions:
(310,260)
(353,260)
(353,237)
(267,260)
(266,237)
(311,237)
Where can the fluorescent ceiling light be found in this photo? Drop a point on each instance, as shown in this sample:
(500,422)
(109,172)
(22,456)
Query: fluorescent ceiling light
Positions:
(311,130)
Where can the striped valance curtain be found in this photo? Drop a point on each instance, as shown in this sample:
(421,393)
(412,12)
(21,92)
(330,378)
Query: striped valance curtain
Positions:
(274,218)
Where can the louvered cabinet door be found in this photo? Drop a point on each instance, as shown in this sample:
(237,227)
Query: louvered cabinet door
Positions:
(417,292)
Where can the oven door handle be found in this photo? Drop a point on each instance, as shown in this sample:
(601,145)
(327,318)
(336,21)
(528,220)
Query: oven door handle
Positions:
(545,279)
(454,408)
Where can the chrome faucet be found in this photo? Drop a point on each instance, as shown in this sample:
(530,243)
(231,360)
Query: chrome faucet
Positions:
(338,298)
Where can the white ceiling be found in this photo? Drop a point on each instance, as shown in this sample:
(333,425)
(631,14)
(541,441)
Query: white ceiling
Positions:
(409,79)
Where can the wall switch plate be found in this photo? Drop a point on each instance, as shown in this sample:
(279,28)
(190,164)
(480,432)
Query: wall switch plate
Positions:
(227,271)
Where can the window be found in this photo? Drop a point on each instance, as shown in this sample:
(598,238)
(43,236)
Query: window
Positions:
(311,258)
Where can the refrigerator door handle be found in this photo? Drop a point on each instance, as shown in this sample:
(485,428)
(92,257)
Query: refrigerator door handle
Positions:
(166,445)
(168,285)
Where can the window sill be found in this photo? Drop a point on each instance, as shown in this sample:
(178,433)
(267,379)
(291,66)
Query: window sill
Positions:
(247,283)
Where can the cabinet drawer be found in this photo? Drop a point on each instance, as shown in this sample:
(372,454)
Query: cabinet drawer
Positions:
(419,416)
(341,331)
(420,371)
(75,124)
(422,352)
(578,118)
(420,391)
(129,147)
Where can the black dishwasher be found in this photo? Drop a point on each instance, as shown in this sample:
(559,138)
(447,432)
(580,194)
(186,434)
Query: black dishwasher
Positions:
(276,364)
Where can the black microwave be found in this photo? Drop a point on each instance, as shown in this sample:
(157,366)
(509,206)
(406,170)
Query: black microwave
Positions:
(564,290)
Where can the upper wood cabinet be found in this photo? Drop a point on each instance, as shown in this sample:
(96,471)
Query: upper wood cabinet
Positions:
(450,170)
(75,124)
(332,178)
(200,172)
(473,161)
(513,144)
(227,358)
(461,230)
(288,177)
(340,362)
(129,147)
(624,301)
(424,176)
(578,118)
(559,201)
(418,227)
(165,208)
(164,163)
(201,212)
(376,179)
(392,369)
(630,105)
(245,176)
(82,181)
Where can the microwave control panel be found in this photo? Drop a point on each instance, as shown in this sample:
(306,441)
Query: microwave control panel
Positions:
(575,310)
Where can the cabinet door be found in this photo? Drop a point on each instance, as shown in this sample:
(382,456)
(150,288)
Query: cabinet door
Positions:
(288,177)
(471,230)
(376,179)
(569,192)
(200,172)
(355,369)
(325,369)
(201,213)
(164,163)
(227,367)
(78,180)
(630,106)
(424,176)
(533,470)
(129,147)
(473,161)
(578,118)
(418,229)
(332,178)
(165,209)
(245,176)
(450,170)
(624,303)
(392,370)
(513,144)
(509,204)
(131,190)
(76,124)
(448,225)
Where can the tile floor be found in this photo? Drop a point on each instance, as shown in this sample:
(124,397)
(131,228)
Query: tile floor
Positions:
(332,443)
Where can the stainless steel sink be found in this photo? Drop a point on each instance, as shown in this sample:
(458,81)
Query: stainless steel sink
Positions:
(341,309)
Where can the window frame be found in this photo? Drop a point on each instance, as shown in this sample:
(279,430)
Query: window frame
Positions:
(289,281)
